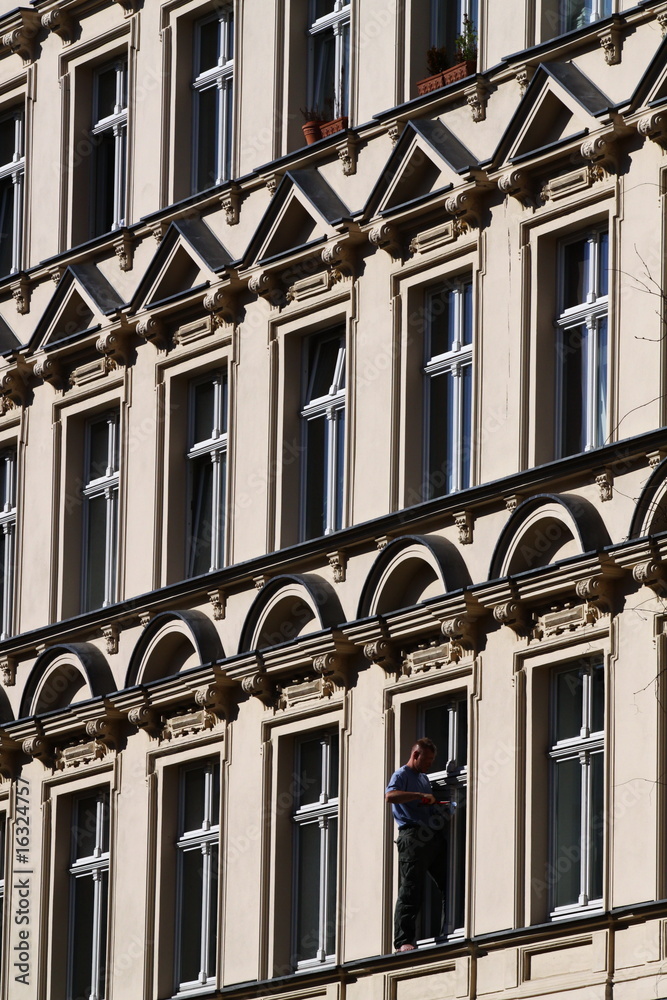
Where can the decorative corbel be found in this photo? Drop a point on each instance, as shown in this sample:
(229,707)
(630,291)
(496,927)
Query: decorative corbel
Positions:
(460,630)
(517,184)
(38,748)
(218,604)
(513,614)
(114,345)
(600,151)
(23,40)
(338,257)
(265,284)
(512,501)
(333,666)
(383,652)
(8,670)
(111,633)
(654,127)
(50,370)
(464,205)
(661,18)
(464,522)
(151,329)
(129,6)
(9,752)
(605,483)
(260,581)
(158,229)
(611,40)
(394,131)
(230,202)
(145,618)
(259,685)
(651,573)
(477,97)
(271,182)
(14,384)
(654,458)
(21,294)
(145,718)
(123,247)
(596,590)
(338,563)
(221,304)
(104,731)
(213,697)
(347,154)
(61,23)
(385,237)
(523,77)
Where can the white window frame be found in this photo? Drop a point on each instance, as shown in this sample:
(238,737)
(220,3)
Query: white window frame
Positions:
(215,447)
(331,406)
(202,840)
(321,813)
(106,485)
(8,528)
(15,169)
(452,363)
(453,781)
(581,747)
(3,869)
(92,866)
(592,316)
(220,77)
(598,9)
(337,21)
(116,125)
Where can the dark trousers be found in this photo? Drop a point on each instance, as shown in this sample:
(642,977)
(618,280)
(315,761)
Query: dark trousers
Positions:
(420,850)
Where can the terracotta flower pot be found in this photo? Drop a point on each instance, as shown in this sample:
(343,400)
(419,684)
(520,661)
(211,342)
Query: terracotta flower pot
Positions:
(337,125)
(451,75)
(312,131)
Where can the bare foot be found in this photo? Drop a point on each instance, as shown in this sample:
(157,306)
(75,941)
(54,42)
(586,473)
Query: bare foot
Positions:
(408,947)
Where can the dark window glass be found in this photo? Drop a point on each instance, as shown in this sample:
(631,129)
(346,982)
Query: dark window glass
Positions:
(567,853)
(6,225)
(209,45)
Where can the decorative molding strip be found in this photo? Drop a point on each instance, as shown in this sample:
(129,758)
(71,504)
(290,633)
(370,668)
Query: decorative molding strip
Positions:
(569,183)
(80,754)
(431,658)
(189,723)
(315,284)
(305,691)
(94,370)
(438,236)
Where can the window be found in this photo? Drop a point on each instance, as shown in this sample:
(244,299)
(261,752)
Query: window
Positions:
(578,13)
(89,892)
(447,725)
(316,847)
(12,171)
(3,841)
(448,21)
(577,785)
(7,539)
(213,87)
(207,460)
(582,344)
(448,388)
(100,512)
(109,131)
(197,881)
(329,34)
(323,420)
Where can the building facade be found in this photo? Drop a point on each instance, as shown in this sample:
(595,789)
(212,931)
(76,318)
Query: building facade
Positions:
(309,446)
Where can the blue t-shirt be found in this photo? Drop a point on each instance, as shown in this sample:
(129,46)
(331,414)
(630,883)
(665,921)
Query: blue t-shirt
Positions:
(406,779)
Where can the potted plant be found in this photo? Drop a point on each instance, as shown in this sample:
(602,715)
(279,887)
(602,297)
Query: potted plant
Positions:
(465,64)
(312,124)
(333,126)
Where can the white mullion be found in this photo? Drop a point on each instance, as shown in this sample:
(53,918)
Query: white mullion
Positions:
(8,588)
(221,126)
(17,211)
(589,357)
(584,758)
(96,932)
(205,912)
(324,836)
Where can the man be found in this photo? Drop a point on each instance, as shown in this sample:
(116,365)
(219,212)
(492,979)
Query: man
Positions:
(422,846)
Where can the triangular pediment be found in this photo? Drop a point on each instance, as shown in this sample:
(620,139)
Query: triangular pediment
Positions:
(427,159)
(82,301)
(560,105)
(189,256)
(8,339)
(652,88)
(304,210)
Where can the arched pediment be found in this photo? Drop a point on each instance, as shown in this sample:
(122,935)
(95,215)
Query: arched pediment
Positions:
(63,675)
(289,607)
(172,642)
(546,529)
(650,515)
(410,570)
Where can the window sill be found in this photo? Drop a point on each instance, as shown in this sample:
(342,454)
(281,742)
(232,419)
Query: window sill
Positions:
(593,909)
(195,991)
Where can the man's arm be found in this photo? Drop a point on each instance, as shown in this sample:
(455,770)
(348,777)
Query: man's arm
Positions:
(395,795)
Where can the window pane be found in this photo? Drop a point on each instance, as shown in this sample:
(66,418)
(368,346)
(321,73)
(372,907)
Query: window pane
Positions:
(3,821)
(333,767)
(104,177)
(462,734)
(229,124)
(106,93)
(465,443)
(597,698)
(324,73)
(6,225)
(436,728)
(204,411)
(567,846)
(569,703)
(98,449)
(601,379)
(467,313)
(81,945)
(572,350)
(230,35)
(323,7)
(460,796)
(575,256)
(597,825)
(209,45)
(439,459)
(201,471)
(332,870)
(310,771)
(96,553)
(442,315)
(603,264)
(194,798)
(315,473)
(103,904)
(207,137)
(322,366)
(85,827)
(213,912)
(7,140)
(308,893)
(340,468)
(191,914)
(344,70)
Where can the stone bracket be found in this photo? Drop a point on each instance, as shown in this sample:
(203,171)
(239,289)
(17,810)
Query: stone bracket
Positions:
(384,653)
(152,329)
(385,237)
